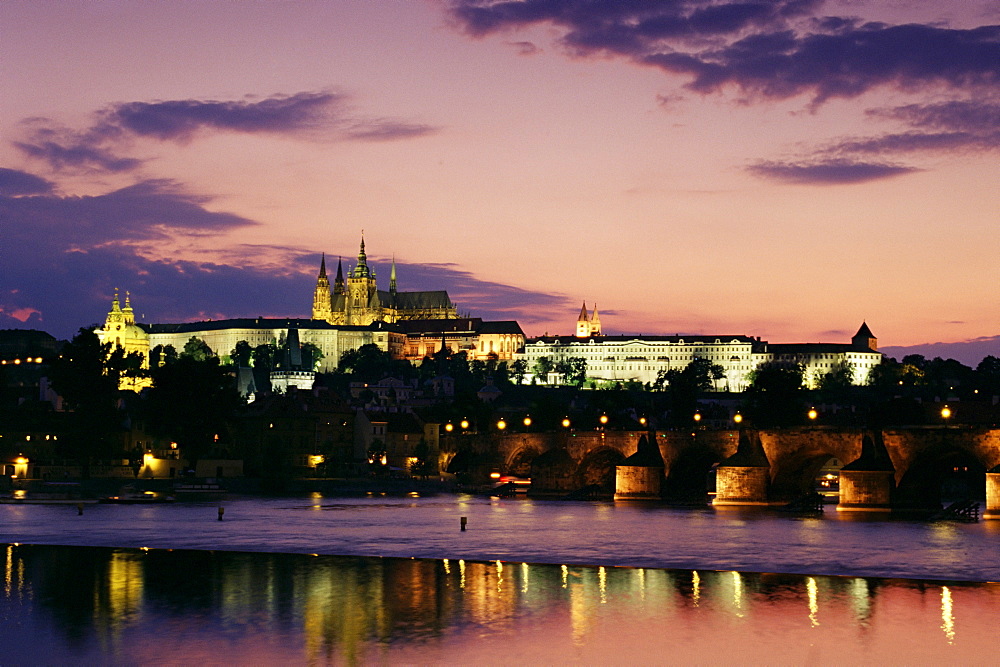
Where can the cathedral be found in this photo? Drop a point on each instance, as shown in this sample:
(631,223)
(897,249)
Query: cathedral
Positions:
(358,301)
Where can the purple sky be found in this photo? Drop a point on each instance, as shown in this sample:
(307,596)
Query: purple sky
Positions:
(785,168)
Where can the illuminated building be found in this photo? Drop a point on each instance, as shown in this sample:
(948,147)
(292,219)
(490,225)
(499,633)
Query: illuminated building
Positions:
(622,358)
(819,359)
(641,358)
(358,301)
(121,330)
(478,339)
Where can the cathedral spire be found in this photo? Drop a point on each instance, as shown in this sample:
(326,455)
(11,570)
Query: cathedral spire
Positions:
(322,306)
(362,270)
(583,323)
(392,276)
(338,283)
(595,322)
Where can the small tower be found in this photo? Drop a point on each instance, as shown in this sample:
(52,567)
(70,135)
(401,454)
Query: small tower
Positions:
(865,339)
(338,283)
(392,277)
(322,308)
(595,323)
(583,323)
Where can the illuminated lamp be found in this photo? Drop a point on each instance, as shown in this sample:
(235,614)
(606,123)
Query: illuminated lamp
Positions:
(604,420)
(642,420)
(494,475)
(738,418)
(945,412)
(812,414)
(527,421)
(697,416)
(449,427)
(501,425)
(464,423)
(565,422)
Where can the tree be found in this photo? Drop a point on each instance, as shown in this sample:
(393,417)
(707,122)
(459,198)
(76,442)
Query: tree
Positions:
(573,370)
(241,354)
(517,370)
(543,366)
(312,356)
(87,376)
(775,394)
(191,402)
(197,349)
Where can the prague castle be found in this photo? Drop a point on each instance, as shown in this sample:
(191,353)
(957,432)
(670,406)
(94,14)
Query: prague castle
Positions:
(359,302)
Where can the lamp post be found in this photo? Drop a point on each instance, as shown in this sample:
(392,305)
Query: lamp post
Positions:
(738,419)
(812,414)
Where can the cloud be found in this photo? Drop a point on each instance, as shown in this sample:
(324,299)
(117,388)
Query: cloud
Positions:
(525,48)
(179,120)
(102,146)
(969,352)
(64,256)
(148,210)
(774,49)
(956,125)
(14,183)
(830,172)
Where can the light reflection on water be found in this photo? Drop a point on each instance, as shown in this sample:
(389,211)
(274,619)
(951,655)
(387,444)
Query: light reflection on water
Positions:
(161,606)
(592,533)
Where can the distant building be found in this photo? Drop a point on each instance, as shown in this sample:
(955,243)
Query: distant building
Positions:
(642,358)
(359,302)
(819,359)
(121,330)
(481,340)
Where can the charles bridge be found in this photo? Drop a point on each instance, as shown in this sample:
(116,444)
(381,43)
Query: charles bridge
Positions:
(908,467)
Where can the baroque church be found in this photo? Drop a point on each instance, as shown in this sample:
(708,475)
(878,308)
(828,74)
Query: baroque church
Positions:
(358,301)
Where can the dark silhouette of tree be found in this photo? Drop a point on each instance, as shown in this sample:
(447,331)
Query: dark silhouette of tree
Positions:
(87,374)
(573,370)
(775,395)
(241,354)
(191,402)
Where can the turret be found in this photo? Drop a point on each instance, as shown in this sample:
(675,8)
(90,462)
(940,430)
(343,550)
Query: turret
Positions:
(583,323)
(322,308)
(595,323)
(338,283)
(865,339)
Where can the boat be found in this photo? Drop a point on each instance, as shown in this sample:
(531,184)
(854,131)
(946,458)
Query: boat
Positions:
(51,493)
(207,489)
(129,495)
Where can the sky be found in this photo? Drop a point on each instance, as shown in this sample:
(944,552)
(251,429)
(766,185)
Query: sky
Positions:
(784,169)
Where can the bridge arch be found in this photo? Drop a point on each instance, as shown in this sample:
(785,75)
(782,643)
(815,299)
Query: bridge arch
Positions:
(942,474)
(689,473)
(598,468)
(519,461)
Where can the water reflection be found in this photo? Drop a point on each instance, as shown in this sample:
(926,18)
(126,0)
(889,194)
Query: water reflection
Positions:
(123,605)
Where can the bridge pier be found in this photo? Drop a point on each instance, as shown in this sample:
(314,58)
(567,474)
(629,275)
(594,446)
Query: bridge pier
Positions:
(641,475)
(745,477)
(992,494)
(638,482)
(866,490)
(741,485)
(867,483)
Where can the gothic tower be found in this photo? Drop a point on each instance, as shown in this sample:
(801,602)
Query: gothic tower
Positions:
(322,308)
(338,283)
(595,323)
(583,323)
(362,304)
